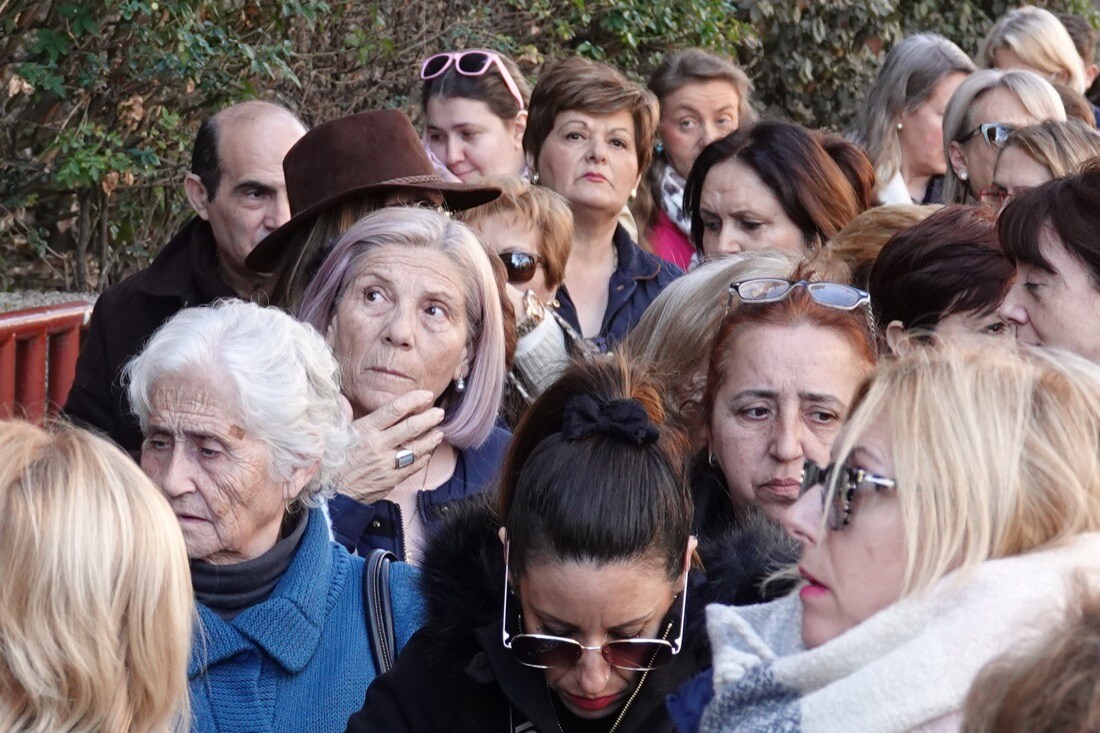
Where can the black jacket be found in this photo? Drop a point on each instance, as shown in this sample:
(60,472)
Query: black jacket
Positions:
(456,676)
(184,274)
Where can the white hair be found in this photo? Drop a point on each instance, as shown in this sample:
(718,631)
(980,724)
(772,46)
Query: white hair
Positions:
(285,377)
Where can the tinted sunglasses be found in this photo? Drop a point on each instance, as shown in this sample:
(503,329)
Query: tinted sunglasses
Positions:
(520,265)
(848,480)
(543,651)
(773,289)
(995,133)
(470,63)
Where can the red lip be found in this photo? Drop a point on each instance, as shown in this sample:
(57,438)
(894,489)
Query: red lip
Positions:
(595,177)
(590,703)
(813,587)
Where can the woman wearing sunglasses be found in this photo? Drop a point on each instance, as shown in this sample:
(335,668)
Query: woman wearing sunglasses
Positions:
(783,372)
(530,229)
(982,113)
(590,139)
(1039,153)
(564,609)
(475,103)
(960,505)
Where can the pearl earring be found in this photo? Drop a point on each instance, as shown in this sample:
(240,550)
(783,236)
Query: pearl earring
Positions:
(963,176)
(899,127)
(460,384)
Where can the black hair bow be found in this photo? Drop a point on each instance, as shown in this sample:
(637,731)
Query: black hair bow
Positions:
(626,419)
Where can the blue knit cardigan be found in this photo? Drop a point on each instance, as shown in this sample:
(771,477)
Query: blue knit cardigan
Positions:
(301,660)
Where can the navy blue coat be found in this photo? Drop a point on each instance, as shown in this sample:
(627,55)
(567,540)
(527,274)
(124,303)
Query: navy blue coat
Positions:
(364,527)
(636,283)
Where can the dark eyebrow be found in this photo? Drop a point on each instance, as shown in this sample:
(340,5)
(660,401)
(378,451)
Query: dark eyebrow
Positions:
(570,627)
(815,397)
(245,186)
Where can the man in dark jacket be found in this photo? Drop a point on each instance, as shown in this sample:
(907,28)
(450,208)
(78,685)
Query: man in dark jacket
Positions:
(237,190)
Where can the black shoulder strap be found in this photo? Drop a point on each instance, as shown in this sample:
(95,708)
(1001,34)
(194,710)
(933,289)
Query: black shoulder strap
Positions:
(378,608)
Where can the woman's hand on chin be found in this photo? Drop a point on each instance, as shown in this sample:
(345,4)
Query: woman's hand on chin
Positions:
(407,422)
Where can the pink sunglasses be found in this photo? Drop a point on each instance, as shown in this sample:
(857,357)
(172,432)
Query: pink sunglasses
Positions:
(470,63)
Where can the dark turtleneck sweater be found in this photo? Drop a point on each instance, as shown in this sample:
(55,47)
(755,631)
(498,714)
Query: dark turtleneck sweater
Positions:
(227,590)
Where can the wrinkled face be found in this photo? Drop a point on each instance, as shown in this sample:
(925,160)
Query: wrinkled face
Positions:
(741,214)
(472,141)
(219,480)
(921,135)
(857,571)
(251,199)
(694,116)
(1055,309)
(400,325)
(595,604)
(784,394)
(976,157)
(1017,171)
(504,233)
(591,161)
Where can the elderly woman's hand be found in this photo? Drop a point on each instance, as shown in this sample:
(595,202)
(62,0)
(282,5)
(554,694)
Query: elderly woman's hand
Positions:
(406,422)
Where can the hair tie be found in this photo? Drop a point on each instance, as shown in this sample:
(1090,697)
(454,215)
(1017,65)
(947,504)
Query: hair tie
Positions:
(626,419)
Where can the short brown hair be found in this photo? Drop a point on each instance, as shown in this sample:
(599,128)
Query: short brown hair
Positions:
(860,241)
(693,66)
(1077,106)
(1070,206)
(1082,34)
(544,210)
(1052,688)
(948,263)
(582,85)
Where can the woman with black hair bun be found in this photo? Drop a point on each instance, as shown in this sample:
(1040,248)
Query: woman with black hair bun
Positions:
(570,605)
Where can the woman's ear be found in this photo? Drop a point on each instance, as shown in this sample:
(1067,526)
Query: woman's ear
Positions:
(691,557)
(519,126)
(956,158)
(897,338)
(502,533)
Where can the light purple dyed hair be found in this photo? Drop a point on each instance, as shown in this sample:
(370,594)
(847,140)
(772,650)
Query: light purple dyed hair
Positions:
(470,414)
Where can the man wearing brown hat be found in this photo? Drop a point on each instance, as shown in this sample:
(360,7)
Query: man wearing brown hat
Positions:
(238,193)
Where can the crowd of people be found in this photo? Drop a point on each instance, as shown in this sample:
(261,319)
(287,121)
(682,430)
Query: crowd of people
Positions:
(591,407)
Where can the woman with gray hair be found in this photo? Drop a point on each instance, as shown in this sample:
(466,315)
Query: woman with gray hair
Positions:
(244,427)
(409,304)
(901,122)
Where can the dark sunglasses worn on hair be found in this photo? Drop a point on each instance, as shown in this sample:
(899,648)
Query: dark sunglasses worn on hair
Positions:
(849,480)
(470,63)
(520,265)
(994,133)
(543,651)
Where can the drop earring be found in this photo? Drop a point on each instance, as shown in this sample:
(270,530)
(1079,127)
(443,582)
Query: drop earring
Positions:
(460,384)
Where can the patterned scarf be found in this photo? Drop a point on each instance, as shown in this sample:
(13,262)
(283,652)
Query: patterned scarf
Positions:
(672,198)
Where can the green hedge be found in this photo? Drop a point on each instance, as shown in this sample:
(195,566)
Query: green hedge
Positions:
(99,99)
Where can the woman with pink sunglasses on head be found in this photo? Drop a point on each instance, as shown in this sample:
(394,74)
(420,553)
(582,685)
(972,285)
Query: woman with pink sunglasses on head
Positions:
(475,103)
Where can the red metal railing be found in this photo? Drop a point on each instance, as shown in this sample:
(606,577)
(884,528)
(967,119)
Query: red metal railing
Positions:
(38,350)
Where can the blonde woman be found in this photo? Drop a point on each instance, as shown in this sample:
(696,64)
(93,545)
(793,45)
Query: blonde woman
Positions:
(982,113)
(1033,39)
(95,599)
(901,122)
(961,500)
(1039,153)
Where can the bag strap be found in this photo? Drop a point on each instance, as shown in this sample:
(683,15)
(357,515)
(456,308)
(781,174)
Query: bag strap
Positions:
(378,608)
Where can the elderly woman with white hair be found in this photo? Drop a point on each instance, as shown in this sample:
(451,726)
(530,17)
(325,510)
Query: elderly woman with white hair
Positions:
(244,427)
(409,304)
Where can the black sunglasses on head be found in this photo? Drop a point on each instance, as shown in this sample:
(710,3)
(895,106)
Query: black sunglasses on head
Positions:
(520,266)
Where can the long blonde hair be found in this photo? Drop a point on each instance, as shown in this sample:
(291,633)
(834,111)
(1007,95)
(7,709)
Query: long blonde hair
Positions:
(96,606)
(1039,40)
(996,450)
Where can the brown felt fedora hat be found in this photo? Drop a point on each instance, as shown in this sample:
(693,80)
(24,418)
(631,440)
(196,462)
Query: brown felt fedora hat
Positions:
(370,152)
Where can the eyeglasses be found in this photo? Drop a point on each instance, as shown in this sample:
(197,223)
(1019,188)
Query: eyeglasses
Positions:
(850,480)
(520,265)
(995,133)
(555,652)
(470,63)
(996,196)
(773,289)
